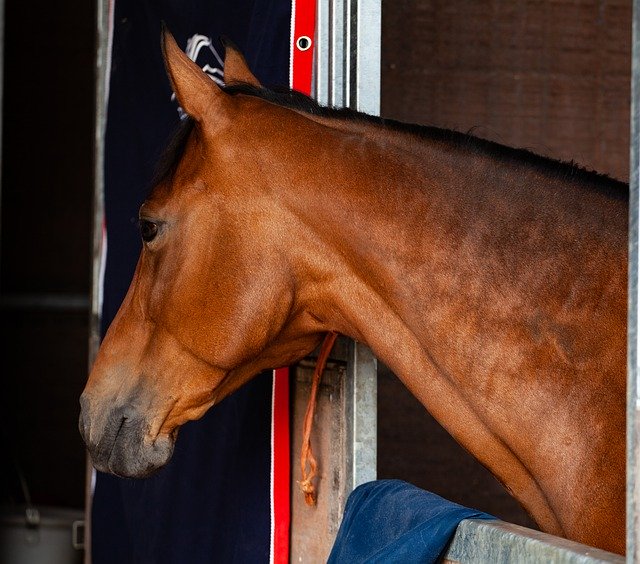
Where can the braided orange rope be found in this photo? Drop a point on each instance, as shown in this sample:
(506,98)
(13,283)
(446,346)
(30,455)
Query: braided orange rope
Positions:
(306,454)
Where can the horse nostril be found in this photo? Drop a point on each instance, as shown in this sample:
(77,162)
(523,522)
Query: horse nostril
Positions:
(122,423)
(84,403)
(83,419)
(84,426)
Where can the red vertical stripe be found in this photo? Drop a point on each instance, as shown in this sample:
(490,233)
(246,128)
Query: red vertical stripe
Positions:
(303,22)
(302,44)
(281,467)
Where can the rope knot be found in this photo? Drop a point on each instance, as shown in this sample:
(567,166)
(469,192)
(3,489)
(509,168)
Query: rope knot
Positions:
(306,486)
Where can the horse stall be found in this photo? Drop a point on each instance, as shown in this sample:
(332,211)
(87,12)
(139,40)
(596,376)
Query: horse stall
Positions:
(551,76)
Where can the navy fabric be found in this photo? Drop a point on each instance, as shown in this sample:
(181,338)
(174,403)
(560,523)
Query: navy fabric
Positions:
(393,521)
(211,503)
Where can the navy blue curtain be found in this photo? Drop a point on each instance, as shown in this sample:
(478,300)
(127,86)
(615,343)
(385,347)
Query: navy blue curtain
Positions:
(211,503)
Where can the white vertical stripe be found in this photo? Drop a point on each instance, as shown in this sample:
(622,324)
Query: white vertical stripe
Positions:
(292,41)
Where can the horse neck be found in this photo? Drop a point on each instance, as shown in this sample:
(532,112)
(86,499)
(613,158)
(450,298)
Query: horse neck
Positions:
(372,212)
(390,261)
(371,208)
(406,230)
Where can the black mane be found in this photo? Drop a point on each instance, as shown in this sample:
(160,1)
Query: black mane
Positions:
(171,155)
(296,101)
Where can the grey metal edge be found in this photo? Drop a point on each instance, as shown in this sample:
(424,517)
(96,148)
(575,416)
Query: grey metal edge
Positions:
(103,11)
(633,402)
(345,28)
(361,397)
(498,542)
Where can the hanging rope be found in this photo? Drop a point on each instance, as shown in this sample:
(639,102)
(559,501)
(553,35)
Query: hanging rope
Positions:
(306,454)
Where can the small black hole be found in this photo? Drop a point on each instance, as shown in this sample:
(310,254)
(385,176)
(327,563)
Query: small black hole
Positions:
(303,43)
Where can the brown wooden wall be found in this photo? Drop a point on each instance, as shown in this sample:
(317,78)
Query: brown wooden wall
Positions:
(549,75)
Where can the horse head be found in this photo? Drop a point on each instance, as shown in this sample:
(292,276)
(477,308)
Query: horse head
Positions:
(213,299)
(490,280)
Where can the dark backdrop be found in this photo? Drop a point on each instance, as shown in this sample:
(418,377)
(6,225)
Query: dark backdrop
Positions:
(47,163)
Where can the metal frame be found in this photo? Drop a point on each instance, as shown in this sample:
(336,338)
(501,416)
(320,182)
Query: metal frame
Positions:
(361,402)
(503,543)
(347,57)
(103,55)
(633,387)
(347,73)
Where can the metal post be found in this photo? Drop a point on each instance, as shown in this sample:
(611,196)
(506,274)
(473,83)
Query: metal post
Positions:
(633,389)
(329,86)
(361,399)
(348,47)
(361,82)
(347,72)
(102,84)
(364,30)
(103,13)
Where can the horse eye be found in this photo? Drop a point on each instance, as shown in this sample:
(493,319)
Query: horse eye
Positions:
(148,230)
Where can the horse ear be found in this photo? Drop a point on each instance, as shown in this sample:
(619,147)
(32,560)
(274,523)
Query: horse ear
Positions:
(236,69)
(194,90)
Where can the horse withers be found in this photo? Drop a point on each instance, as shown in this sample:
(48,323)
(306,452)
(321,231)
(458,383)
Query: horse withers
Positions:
(490,280)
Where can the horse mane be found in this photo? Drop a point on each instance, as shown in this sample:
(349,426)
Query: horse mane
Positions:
(288,98)
(170,157)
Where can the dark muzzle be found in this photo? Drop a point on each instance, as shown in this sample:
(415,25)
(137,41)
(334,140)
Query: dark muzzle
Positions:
(118,441)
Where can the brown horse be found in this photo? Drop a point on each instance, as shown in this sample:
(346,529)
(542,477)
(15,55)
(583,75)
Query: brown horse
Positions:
(490,280)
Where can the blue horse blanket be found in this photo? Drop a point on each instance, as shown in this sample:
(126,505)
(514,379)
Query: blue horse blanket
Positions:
(393,521)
